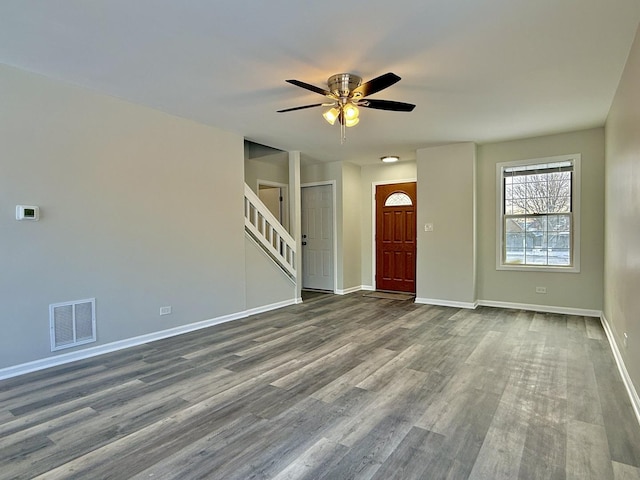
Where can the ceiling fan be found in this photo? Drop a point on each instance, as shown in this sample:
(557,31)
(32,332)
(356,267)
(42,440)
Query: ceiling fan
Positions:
(346,93)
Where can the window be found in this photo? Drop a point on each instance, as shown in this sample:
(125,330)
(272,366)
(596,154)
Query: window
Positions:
(398,199)
(538,214)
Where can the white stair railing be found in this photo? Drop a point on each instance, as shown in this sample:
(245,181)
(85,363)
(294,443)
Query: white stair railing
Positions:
(267,230)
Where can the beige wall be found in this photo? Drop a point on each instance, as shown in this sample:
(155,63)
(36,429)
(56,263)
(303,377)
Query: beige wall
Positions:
(570,290)
(351,235)
(446,199)
(266,284)
(371,175)
(273,168)
(139,209)
(622,228)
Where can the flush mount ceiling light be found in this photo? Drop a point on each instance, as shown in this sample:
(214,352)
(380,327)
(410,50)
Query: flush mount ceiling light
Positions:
(390,158)
(346,93)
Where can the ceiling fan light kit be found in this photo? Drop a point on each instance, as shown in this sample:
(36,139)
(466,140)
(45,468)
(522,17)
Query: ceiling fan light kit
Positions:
(331,115)
(346,93)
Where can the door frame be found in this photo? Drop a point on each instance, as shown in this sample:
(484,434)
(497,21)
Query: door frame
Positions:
(284,205)
(373,222)
(332,183)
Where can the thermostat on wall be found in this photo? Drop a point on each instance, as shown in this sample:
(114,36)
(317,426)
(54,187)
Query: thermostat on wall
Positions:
(27,212)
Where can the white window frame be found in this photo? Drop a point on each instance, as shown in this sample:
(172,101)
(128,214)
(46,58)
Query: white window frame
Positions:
(575,213)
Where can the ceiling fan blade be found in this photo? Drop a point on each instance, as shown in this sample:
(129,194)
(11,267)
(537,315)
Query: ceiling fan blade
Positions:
(300,108)
(377,84)
(388,105)
(308,86)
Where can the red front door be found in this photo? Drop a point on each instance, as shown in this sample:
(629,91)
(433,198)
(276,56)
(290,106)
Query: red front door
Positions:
(396,237)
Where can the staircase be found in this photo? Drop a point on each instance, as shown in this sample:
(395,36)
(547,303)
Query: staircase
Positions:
(260,223)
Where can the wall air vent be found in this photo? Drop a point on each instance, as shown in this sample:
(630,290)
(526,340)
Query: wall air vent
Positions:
(72,323)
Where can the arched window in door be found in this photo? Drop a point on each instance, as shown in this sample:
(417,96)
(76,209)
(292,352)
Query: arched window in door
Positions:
(398,199)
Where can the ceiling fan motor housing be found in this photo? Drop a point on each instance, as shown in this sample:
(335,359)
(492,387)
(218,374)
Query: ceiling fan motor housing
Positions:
(342,84)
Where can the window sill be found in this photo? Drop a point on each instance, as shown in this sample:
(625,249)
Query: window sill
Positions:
(538,268)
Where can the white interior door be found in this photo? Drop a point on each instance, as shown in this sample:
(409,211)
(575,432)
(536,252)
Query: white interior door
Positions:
(317,237)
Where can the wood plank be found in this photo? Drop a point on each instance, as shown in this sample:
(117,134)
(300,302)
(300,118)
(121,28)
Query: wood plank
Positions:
(587,452)
(416,457)
(594,329)
(623,434)
(622,471)
(353,377)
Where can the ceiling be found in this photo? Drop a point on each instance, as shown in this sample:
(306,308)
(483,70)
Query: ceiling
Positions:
(478,70)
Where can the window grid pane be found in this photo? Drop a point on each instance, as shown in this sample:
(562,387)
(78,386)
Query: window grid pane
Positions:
(537,240)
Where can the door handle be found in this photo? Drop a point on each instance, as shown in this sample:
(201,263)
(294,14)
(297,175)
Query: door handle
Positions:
(304,243)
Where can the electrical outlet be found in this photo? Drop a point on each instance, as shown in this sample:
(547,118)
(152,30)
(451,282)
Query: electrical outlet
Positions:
(428,227)
(541,289)
(625,337)
(165,310)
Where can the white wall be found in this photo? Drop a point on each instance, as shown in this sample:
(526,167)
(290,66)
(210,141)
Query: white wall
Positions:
(139,209)
(622,227)
(568,290)
(370,175)
(446,198)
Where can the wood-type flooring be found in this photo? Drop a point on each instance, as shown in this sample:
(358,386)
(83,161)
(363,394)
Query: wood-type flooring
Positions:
(338,387)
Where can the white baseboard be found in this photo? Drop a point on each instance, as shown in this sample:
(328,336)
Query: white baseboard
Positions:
(626,379)
(41,364)
(541,308)
(368,288)
(446,303)
(347,291)
(273,306)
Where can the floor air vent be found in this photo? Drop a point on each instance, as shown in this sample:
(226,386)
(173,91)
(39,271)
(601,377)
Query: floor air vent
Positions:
(72,323)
